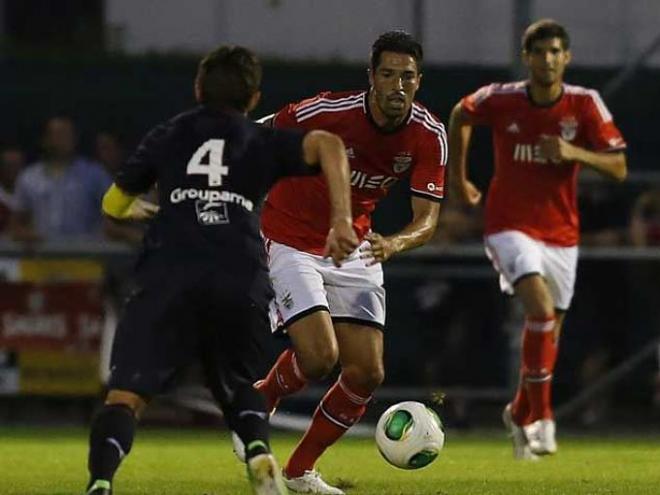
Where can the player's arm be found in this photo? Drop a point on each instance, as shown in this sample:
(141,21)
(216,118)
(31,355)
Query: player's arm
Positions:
(418,232)
(610,164)
(137,175)
(120,205)
(324,149)
(459,135)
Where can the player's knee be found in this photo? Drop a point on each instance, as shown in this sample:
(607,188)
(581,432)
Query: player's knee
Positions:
(541,310)
(368,377)
(318,369)
(127,399)
(319,364)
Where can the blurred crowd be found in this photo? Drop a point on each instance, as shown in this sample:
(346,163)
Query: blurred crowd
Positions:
(57,196)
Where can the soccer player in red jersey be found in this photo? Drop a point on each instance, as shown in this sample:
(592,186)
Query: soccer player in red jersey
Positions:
(544,131)
(334,313)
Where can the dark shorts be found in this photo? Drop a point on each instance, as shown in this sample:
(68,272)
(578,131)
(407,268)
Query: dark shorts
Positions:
(180,314)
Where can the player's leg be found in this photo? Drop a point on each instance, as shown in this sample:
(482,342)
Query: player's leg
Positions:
(541,338)
(301,308)
(518,260)
(232,352)
(357,303)
(151,343)
(361,356)
(111,437)
(312,356)
(539,349)
(560,265)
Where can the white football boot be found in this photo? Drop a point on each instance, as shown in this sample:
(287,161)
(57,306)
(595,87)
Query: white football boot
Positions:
(238,446)
(311,482)
(265,476)
(542,437)
(521,450)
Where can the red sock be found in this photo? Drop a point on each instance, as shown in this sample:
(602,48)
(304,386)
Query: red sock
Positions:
(539,353)
(520,406)
(284,378)
(340,409)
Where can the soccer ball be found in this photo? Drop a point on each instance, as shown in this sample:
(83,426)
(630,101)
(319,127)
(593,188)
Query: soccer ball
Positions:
(410,435)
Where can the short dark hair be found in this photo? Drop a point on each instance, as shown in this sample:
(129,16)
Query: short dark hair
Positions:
(228,77)
(398,42)
(543,30)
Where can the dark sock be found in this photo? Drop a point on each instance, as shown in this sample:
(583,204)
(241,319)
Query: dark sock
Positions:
(110,440)
(247,416)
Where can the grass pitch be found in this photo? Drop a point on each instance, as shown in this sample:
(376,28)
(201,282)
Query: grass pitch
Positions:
(197,462)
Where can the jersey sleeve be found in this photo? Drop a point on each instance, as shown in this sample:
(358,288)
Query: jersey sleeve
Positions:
(428,175)
(601,133)
(296,115)
(286,146)
(286,118)
(479,107)
(140,171)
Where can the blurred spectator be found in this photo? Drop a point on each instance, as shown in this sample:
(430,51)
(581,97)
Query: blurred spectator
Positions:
(59,196)
(12,161)
(604,208)
(109,151)
(645,220)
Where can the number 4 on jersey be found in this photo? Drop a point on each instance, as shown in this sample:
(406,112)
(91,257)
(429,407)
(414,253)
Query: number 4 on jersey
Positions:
(214,170)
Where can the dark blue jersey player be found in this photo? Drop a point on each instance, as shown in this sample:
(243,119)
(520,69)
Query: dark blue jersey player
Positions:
(202,281)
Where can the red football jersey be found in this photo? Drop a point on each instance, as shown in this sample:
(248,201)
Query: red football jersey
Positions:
(297,211)
(527,193)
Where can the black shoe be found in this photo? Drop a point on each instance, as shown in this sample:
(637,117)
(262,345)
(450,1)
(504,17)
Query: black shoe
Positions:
(99,487)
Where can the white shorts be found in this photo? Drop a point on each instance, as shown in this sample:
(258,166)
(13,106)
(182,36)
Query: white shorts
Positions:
(516,255)
(305,283)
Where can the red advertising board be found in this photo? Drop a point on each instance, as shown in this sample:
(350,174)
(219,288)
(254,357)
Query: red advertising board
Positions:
(51,316)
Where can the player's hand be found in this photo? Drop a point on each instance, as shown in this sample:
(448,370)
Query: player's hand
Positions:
(555,149)
(341,241)
(379,249)
(467,192)
(141,210)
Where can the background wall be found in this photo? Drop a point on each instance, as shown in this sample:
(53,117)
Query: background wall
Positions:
(474,32)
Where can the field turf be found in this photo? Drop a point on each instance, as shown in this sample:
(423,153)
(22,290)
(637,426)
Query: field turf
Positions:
(197,462)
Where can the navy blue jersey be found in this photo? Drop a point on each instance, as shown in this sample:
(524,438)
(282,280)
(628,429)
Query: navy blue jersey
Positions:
(212,170)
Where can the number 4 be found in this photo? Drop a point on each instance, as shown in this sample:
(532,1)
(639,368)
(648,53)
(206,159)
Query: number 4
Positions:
(215,169)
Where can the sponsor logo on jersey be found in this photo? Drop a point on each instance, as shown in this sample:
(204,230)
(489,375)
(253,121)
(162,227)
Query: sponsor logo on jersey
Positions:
(361,180)
(568,128)
(528,153)
(615,142)
(402,162)
(211,196)
(350,153)
(210,213)
(513,128)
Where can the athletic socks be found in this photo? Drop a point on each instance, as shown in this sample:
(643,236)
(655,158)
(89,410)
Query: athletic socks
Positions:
(520,412)
(284,378)
(342,407)
(110,440)
(246,415)
(539,354)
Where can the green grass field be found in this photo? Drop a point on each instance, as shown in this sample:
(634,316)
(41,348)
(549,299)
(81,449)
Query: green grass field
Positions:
(197,462)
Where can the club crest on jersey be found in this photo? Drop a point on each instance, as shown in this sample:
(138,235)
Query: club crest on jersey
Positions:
(211,213)
(568,127)
(402,162)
